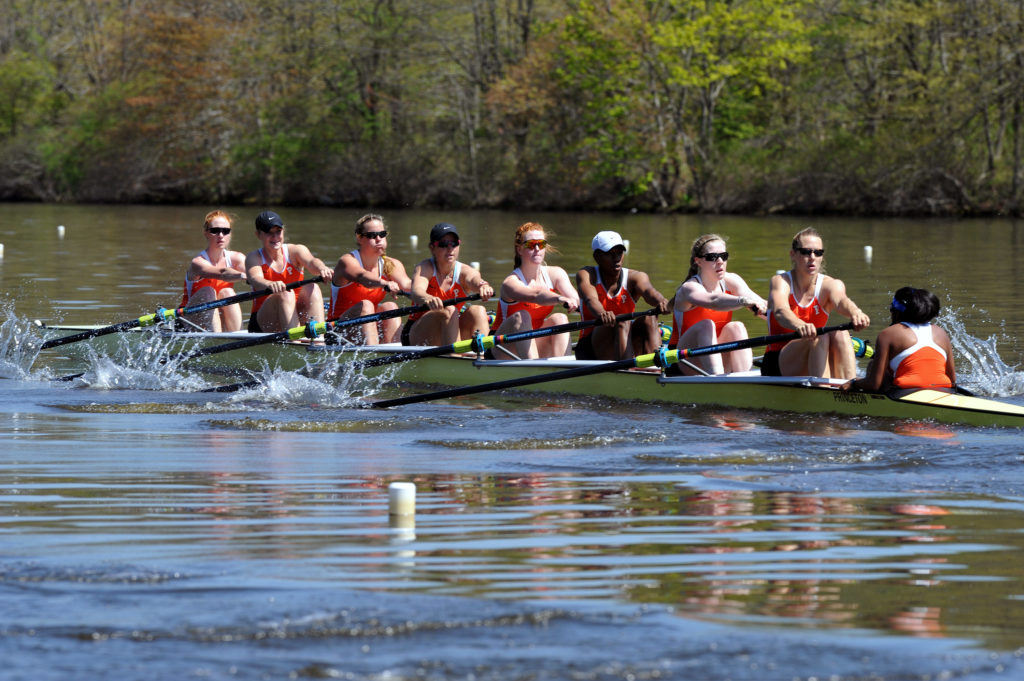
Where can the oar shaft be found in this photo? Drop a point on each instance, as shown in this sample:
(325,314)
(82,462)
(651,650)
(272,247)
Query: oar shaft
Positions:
(167,315)
(649,360)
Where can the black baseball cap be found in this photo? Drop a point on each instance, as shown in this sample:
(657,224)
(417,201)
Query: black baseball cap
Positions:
(267,220)
(438,231)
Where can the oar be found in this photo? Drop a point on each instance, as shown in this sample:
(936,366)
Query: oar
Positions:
(482,343)
(163,314)
(316,329)
(662,358)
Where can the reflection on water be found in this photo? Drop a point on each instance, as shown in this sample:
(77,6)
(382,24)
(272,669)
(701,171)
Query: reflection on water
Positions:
(741,557)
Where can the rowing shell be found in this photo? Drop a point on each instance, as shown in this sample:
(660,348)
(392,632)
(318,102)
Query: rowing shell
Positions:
(749,390)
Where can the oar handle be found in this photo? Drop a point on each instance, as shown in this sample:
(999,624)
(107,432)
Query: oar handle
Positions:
(316,329)
(164,314)
(483,343)
(663,358)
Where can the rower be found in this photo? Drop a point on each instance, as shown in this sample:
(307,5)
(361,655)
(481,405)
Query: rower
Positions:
(362,279)
(609,289)
(443,277)
(210,276)
(801,300)
(529,296)
(704,304)
(912,352)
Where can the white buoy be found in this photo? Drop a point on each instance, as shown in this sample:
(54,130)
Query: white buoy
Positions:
(60,231)
(475,265)
(413,239)
(781,271)
(1,250)
(868,252)
(625,242)
(401,498)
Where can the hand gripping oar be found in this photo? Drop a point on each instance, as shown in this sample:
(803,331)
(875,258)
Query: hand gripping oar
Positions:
(163,314)
(316,329)
(662,358)
(483,343)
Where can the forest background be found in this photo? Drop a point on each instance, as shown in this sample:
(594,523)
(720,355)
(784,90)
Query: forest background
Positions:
(880,107)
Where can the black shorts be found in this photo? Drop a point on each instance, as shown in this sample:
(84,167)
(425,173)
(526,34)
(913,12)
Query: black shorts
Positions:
(770,364)
(585,347)
(254,324)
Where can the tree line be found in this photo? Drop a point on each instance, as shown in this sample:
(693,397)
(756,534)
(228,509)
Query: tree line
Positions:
(888,107)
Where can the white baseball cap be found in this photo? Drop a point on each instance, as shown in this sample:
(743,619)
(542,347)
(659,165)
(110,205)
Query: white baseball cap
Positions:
(606,241)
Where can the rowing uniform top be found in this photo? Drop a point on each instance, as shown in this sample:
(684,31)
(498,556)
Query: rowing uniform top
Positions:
(217,285)
(434,287)
(620,303)
(697,314)
(345,296)
(923,364)
(536,311)
(812,312)
(289,275)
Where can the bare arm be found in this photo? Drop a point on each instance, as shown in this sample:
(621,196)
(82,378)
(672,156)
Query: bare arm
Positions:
(311,262)
(421,275)
(840,302)
(349,269)
(640,286)
(200,268)
(778,303)
(590,299)
(473,282)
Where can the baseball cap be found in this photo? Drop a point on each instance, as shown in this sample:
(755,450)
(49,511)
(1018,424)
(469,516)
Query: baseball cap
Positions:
(606,241)
(440,229)
(267,220)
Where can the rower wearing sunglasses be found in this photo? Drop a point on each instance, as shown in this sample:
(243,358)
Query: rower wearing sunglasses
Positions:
(210,276)
(704,304)
(442,277)
(529,296)
(362,279)
(801,300)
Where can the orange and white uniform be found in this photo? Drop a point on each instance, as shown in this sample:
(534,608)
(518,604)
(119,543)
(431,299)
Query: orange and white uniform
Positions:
(538,313)
(289,275)
(812,313)
(217,285)
(698,314)
(923,364)
(620,303)
(434,288)
(345,296)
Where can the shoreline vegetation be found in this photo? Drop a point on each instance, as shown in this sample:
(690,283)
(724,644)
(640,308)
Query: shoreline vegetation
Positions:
(895,108)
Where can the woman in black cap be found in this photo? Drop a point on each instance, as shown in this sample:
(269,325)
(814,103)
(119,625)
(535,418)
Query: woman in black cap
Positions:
(275,265)
(442,277)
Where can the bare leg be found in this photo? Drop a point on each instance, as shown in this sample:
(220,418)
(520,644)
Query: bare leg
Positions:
(699,335)
(557,345)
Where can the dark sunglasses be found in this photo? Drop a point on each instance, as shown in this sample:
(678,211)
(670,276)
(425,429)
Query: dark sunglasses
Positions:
(818,252)
(375,235)
(219,230)
(451,243)
(531,244)
(711,257)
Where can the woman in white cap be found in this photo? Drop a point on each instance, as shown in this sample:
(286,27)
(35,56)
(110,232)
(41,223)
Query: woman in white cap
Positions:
(275,265)
(704,304)
(364,277)
(529,296)
(442,277)
(609,289)
(211,275)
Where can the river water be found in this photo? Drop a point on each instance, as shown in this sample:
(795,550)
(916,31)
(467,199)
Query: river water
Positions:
(148,531)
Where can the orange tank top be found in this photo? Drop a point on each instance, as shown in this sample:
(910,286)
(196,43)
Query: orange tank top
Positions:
(345,296)
(538,313)
(217,285)
(923,364)
(696,314)
(620,303)
(434,288)
(291,274)
(812,313)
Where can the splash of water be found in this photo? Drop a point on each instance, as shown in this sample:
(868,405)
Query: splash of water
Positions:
(20,341)
(979,367)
